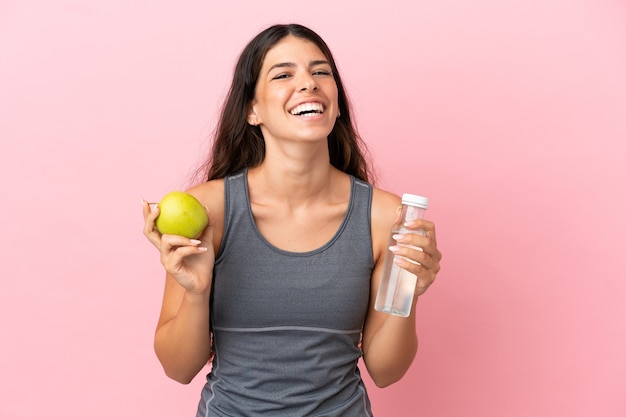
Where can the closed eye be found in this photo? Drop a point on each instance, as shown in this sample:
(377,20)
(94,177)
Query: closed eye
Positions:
(281,76)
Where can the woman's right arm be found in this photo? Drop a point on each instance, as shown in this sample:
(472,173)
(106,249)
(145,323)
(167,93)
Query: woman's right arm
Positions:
(182,340)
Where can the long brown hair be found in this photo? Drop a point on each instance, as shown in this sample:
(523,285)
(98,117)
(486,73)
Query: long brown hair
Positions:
(239,145)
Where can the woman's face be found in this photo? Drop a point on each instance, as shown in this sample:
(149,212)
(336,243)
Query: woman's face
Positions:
(296,94)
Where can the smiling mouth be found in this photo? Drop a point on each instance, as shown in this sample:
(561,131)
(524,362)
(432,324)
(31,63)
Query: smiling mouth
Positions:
(307,109)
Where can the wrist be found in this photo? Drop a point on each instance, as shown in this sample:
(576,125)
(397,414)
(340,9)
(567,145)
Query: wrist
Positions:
(197,297)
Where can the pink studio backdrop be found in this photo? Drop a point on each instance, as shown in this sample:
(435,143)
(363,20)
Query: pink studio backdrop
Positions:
(509,115)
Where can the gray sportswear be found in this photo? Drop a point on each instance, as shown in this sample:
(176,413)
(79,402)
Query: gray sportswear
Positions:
(287,325)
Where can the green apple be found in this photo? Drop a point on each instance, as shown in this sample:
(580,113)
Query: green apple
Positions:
(181,214)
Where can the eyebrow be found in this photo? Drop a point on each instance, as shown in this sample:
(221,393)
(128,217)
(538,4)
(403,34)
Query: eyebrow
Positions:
(291,64)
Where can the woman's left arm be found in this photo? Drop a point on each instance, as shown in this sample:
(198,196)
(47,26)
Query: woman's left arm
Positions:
(390,342)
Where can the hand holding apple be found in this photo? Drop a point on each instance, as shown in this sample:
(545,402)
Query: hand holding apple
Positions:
(175,227)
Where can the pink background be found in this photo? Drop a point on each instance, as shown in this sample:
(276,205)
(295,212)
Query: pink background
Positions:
(509,115)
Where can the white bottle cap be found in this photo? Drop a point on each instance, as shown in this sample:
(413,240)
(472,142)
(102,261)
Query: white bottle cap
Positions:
(415,200)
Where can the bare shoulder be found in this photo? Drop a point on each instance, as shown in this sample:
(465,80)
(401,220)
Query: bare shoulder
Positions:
(384,213)
(384,208)
(211,195)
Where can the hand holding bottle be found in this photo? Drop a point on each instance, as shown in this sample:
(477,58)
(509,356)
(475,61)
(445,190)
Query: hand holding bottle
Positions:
(412,260)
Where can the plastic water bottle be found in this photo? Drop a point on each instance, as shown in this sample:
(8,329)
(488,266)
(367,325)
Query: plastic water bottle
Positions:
(397,285)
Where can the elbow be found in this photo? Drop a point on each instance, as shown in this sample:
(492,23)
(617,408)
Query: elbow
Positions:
(178,373)
(380,384)
(175,370)
(386,379)
(178,376)
(383,384)
(390,370)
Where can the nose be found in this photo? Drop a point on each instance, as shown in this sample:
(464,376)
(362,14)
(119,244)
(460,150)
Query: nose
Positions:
(308,83)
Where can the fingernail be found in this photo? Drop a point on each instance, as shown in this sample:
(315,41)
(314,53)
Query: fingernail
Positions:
(394,249)
(409,223)
(202,248)
(398,237)
(195,241)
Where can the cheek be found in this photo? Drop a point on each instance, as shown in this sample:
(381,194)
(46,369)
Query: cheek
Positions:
(275,99)
(333,95)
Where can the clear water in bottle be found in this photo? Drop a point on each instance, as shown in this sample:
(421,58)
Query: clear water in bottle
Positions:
(398,296)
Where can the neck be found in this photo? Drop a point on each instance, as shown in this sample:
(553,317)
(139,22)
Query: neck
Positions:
(291,182)
(294,171)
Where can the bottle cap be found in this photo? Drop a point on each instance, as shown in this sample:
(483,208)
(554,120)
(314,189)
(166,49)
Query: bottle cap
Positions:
(415,200)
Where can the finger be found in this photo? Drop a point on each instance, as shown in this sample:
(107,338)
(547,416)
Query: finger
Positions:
(174,260)
(411,248)
(416,269)
(174,257)
(430,229)
(150,211)
(414,239)
(146,208)
(420,224)
(170,242)
(425,227)
(422,284)
(427,242)
(414,255)
(149,229)
(425,276)
(429,261)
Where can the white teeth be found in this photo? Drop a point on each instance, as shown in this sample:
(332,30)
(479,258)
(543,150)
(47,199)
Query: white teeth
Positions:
(307,109)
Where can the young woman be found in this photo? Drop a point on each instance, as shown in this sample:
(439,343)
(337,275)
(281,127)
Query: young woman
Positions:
(279,289)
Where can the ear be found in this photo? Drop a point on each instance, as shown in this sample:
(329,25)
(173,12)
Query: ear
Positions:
(253,118)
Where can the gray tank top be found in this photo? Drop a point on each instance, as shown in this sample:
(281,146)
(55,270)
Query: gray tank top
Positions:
(287,325)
